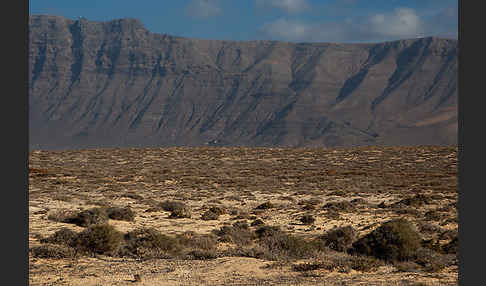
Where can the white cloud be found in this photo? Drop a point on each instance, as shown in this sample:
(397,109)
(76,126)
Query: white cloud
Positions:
(290,6)
(287,30)
(399,24)
(203,8)
(402,23)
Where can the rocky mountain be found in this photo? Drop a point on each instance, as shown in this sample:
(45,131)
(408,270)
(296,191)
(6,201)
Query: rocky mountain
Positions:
(111,84)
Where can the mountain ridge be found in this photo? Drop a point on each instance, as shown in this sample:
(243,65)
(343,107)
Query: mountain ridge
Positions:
(115,84)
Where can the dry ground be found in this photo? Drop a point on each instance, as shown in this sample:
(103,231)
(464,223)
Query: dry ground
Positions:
(240,179)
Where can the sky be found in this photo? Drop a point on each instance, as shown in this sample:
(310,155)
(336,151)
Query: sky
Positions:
(342,21)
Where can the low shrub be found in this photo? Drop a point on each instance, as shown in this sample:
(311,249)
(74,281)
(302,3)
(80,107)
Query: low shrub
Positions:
(343,206)
(64,236)
(89,217)
(99,239)
(121,213)
(396,239)
(209,215)
(265,206)
(149,243)
(235,234)
(53,251)
(307,219)
(339,238)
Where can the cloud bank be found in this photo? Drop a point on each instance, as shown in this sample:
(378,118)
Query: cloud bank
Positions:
(400,23)
(289,6)
(202,9)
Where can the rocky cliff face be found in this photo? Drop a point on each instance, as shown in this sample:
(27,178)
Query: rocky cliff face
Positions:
(107,84)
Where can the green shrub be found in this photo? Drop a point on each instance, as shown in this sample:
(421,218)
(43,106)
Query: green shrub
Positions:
(339,238)
(396,239)
(99,239)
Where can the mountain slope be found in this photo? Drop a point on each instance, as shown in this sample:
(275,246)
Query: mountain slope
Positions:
(107,84)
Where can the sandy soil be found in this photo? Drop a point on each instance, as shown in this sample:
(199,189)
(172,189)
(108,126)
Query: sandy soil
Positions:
(238,179)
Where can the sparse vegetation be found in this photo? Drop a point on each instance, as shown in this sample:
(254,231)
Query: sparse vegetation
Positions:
(292,182)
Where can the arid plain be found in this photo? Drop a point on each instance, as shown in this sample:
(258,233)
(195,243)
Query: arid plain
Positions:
(239,216)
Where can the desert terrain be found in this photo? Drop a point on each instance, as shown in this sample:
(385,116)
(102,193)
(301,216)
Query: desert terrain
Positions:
(240,216)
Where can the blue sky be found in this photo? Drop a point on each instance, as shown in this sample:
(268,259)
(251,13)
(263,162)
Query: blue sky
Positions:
(286,20)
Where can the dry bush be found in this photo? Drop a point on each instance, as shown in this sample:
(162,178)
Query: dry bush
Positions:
(452,247)
(89,217)
(53,251)
(257,222)
(341,263)
(209,215)
(177,209)
(307,219)
(396,239)
(238,234)
(218,210)
(278,245)
(265,206)
(62,215)
(121,213)
(149,243)
(343,206)
(414,201)
(64,236)
(339,238)
(99,239)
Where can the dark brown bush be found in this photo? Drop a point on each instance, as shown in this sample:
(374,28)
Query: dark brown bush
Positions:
(265,206)
(396,239)
(257,222)
(191,240)
(339,238)
(209,215)
(181,212)
(64,236)
(218,210)
(89,217)
(430,260)
(414,201)
(53,251)
(170,206)
(99,239)
(452,247)
(343,206)
(121,213)
(235,234)
(307,219)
